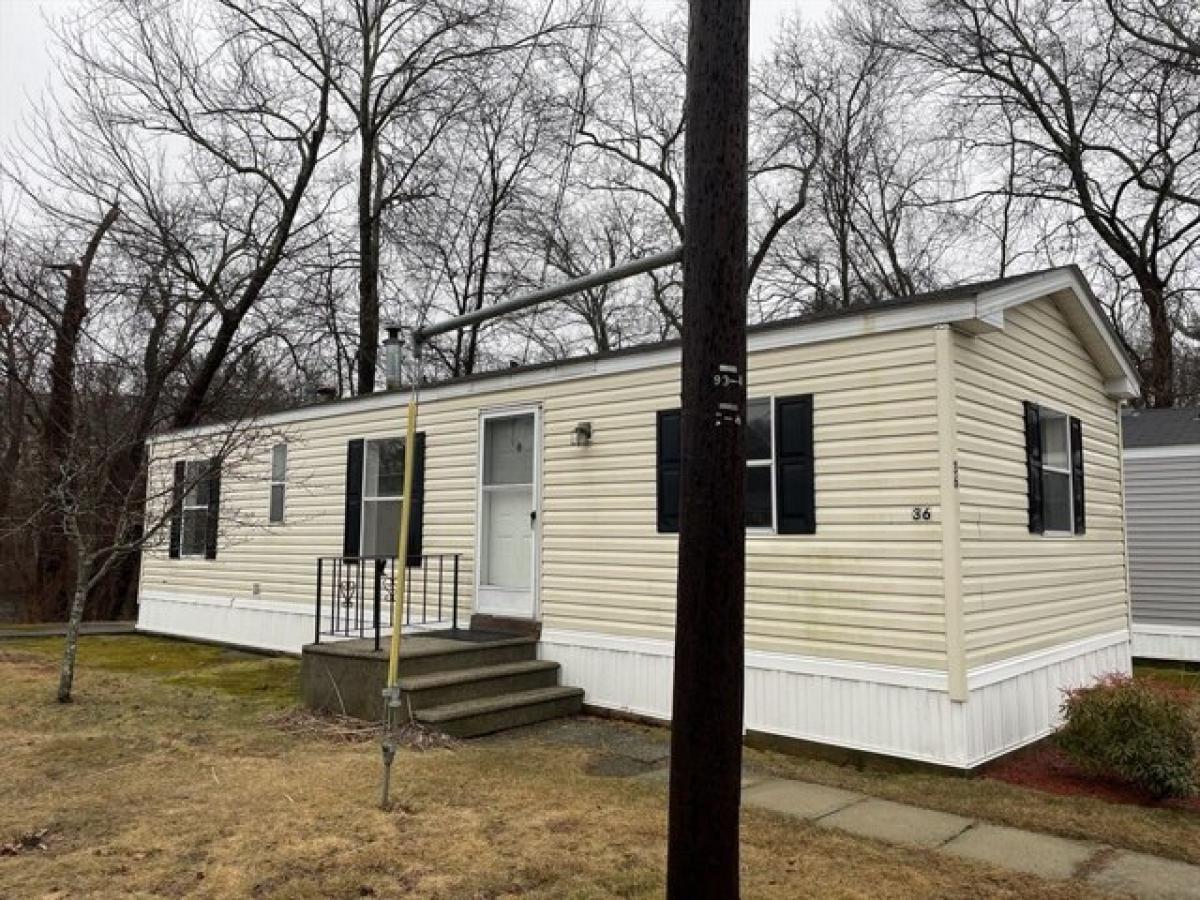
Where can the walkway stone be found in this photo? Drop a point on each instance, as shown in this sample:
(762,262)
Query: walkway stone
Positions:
(1022,851)
(798,798)
(897,823)
(1148,876)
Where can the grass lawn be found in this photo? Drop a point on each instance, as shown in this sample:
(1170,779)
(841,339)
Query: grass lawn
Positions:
(166,777)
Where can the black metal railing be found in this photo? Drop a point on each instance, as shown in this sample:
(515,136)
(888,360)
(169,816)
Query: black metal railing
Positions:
(355,594)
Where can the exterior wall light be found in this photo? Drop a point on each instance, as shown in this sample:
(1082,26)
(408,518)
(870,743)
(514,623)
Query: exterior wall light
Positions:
(392,349)
(582,435)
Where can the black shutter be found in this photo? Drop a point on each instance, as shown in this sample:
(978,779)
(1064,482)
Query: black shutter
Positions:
(1033,466)
(353,513)
(417,515)
(1077,475)
(669,464)
(177,510)
(213,476)
(794,482)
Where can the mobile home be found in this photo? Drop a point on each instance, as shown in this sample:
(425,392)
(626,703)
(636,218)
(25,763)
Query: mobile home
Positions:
(1162,505)
(935,531)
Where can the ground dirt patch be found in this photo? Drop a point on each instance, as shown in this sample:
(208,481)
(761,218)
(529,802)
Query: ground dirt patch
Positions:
(202,797)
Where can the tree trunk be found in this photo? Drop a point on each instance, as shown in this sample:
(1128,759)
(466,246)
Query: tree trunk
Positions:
(706,715)
(53,566)
(368,272)
(66,674)
(1159,369)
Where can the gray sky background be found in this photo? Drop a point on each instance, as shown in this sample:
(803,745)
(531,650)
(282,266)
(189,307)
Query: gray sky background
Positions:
(27,67)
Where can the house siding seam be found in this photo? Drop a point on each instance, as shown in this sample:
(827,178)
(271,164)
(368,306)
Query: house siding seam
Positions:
(604,568)
(1023,592)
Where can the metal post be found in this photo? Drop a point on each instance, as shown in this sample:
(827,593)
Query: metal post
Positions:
(454,627)
(317,636)
(378,592)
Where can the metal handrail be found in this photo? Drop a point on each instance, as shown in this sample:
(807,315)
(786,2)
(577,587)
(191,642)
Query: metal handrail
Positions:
(354,596)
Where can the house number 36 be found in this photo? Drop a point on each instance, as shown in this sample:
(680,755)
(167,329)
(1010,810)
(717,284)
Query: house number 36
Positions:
(921,514)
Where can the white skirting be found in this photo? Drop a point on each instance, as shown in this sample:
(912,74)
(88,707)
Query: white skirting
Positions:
(1174,642)
(879,709)
(243,622)
(890,710)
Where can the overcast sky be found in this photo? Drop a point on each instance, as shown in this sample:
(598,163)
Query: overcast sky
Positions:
(27,69)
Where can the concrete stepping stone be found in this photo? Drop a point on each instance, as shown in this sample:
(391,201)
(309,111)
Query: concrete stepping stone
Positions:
(897,823)
(1148,877)
(797,798)
(1022,851)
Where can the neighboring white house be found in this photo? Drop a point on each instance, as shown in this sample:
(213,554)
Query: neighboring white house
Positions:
(1162,504)
(935,543)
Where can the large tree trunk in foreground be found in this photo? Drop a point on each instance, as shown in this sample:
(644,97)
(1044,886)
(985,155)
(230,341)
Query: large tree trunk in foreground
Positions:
(706,715)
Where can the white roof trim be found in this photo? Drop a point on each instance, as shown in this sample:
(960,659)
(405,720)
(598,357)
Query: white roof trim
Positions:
(974,315)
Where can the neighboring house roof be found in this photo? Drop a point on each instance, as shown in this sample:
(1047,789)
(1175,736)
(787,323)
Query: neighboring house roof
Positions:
(1161,427)
(976,308)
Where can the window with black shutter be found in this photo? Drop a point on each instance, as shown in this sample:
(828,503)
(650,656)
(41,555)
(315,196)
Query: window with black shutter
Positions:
(1054,471)
(794,476)
(375,498)
(669,461)
(779,476)
(196,509)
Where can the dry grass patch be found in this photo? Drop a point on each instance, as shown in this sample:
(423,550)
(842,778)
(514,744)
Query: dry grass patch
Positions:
(155,787)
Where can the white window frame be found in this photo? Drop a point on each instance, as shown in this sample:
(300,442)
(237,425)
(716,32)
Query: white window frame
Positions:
(1050,412)
(281,483)
(366,498)
(769,462)
(191,478)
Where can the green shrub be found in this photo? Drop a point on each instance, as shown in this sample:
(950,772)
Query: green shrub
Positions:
(1137,730)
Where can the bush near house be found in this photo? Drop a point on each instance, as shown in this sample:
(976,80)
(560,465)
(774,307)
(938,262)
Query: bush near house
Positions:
(1143,731)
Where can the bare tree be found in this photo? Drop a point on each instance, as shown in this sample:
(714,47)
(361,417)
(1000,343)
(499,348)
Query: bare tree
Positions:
(1101,128)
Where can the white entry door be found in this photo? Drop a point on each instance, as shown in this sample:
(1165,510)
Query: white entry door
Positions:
(508,515)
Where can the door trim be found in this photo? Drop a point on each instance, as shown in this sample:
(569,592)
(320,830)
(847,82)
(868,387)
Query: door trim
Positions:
(535,548)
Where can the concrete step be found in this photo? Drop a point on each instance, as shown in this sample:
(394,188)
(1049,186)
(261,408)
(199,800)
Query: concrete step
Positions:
(452,656)
(442,688)
(470,718)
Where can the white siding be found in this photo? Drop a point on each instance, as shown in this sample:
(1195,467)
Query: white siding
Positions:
(1022,591)
(866,586)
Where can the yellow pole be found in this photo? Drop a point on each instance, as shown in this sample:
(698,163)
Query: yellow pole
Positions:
(410,447)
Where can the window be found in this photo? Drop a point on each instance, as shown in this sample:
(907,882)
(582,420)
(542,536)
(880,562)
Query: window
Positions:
(779,466)
(374,498)
(760,469)
(1054,471)
(194,521)
(382,497)
(278,482)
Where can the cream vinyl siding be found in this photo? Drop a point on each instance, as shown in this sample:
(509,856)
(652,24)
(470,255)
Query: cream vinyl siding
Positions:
(1023,592)
(867,586)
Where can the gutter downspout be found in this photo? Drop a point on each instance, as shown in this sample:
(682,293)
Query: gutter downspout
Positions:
(947,435)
